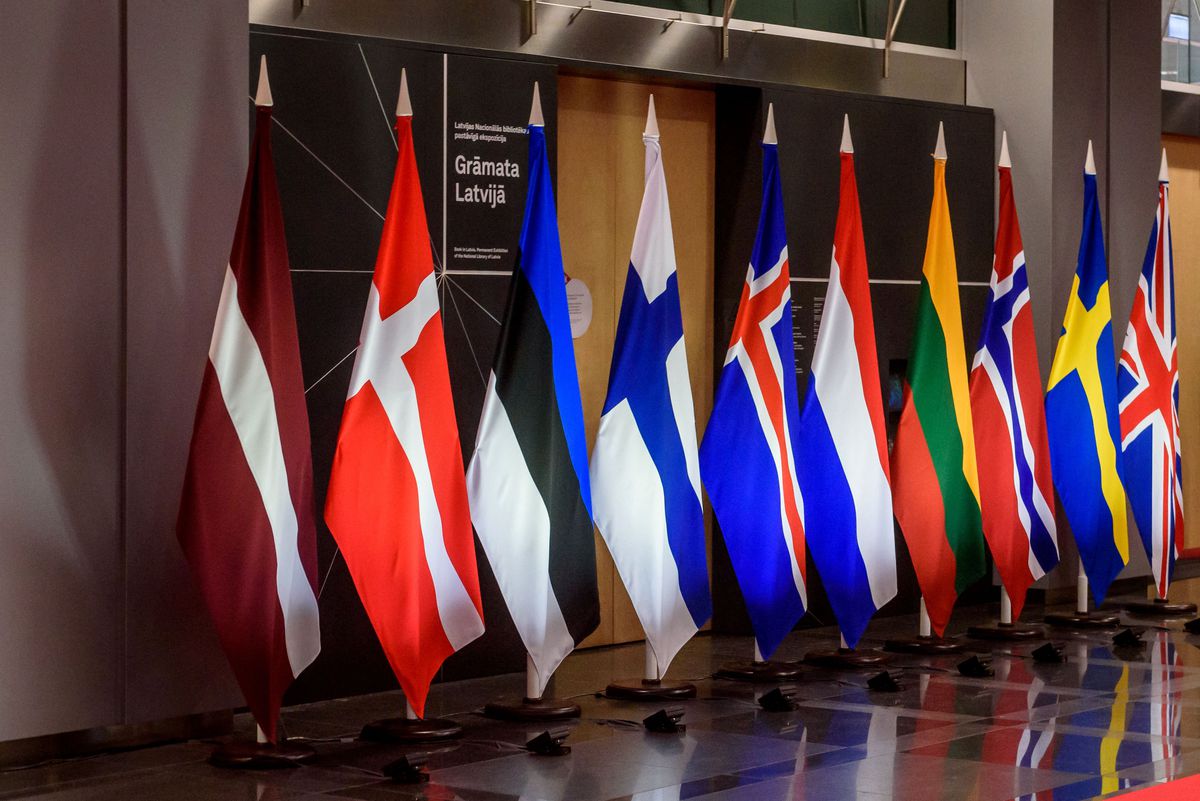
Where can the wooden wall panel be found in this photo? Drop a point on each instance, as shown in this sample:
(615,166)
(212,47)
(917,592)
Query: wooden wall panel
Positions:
(1183,157)
(600,177)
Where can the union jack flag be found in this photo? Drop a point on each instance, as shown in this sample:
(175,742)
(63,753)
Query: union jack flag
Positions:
(747,458)
(1148,385)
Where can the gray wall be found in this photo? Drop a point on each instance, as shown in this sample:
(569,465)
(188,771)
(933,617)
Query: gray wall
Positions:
(123,142)
(1059,74)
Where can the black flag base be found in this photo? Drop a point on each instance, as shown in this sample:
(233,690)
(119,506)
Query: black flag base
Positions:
(847,659)
(759,672)
(1083,620)
(246,755)
(925,645)
(411,730)
(1006,632)
(532,709)
(1160,607)
(649,690)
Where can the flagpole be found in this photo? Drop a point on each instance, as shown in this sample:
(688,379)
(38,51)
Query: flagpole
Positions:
(532,691)
(1005,607)
(925,642)
(1081,618)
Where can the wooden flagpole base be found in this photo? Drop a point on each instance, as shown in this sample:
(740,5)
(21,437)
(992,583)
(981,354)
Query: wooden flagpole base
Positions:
(759,672)
(1160,607)
(650,690)
(1083,620)
(923,645)
(1006,632)
(409,730)
(846,659)
(532,709)
(244,755)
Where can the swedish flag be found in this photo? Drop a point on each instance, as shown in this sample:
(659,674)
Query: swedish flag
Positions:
(1081,410)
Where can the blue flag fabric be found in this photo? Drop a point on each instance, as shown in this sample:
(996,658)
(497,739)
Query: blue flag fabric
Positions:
(527,481)
(747,458)
(1081,411)
(645,467)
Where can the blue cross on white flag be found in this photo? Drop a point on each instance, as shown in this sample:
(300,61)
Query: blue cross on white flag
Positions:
(645,470)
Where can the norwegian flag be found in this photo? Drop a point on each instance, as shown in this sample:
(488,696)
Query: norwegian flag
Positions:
(1016,494)
(1148,386)
(747,459)
(397,501)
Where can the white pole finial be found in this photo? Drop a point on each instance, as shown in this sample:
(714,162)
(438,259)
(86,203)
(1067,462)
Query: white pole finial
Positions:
(1162,170)
(651,121)
(1089,166)
(939,151)
(404,104)
(1005,159)
(769,137)
(263,96)
(847,144)
(535,113)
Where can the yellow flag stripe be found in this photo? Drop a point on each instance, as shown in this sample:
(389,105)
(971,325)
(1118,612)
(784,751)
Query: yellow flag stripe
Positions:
(1076,353)
(941,274)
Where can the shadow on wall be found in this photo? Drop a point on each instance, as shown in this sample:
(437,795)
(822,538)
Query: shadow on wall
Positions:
(185,174)
(64,451)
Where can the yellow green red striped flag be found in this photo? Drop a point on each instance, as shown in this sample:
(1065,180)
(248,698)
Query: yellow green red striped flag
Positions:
(934,479)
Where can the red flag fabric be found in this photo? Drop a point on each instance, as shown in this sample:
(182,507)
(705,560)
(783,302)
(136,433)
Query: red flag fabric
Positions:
(246,520)
(397,501)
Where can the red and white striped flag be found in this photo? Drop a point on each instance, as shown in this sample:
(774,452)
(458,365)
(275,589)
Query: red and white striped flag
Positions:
(246,518)
(397,501)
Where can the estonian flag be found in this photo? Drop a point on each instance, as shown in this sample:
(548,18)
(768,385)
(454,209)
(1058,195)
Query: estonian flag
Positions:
(528,480)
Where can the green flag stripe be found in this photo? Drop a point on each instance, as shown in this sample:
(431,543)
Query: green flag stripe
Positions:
(929,380)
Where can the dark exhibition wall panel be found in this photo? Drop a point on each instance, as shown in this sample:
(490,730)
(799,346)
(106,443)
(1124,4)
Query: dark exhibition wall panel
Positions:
(893,140)
(335,152)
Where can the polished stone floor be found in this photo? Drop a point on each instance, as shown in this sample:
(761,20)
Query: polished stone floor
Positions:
(1105,721)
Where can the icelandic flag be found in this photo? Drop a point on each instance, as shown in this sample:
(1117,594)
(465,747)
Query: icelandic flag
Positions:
(1016,495)
(645,469)
(1148,388)
(528,482)
(747,458)
(1081,410)
(843,441)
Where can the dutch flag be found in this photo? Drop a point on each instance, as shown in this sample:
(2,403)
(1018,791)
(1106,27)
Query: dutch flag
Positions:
(843,444)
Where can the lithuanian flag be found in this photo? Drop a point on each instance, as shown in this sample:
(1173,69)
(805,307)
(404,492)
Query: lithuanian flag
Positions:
(935,487)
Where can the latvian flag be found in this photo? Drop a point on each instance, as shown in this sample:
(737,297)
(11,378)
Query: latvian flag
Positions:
(528,479)
(1016,494)
(843,441)
(747,459)
(1148,387)
(397,502)
(246,519)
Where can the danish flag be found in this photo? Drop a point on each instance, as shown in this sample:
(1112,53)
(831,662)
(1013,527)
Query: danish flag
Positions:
(397,501)
(1148,386)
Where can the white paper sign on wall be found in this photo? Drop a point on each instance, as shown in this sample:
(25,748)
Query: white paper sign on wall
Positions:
(579,304)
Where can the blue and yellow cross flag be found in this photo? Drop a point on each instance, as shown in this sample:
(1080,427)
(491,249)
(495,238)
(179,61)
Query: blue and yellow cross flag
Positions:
(1081,410)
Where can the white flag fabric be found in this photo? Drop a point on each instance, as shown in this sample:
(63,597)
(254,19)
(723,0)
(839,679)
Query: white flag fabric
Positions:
(645,469)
